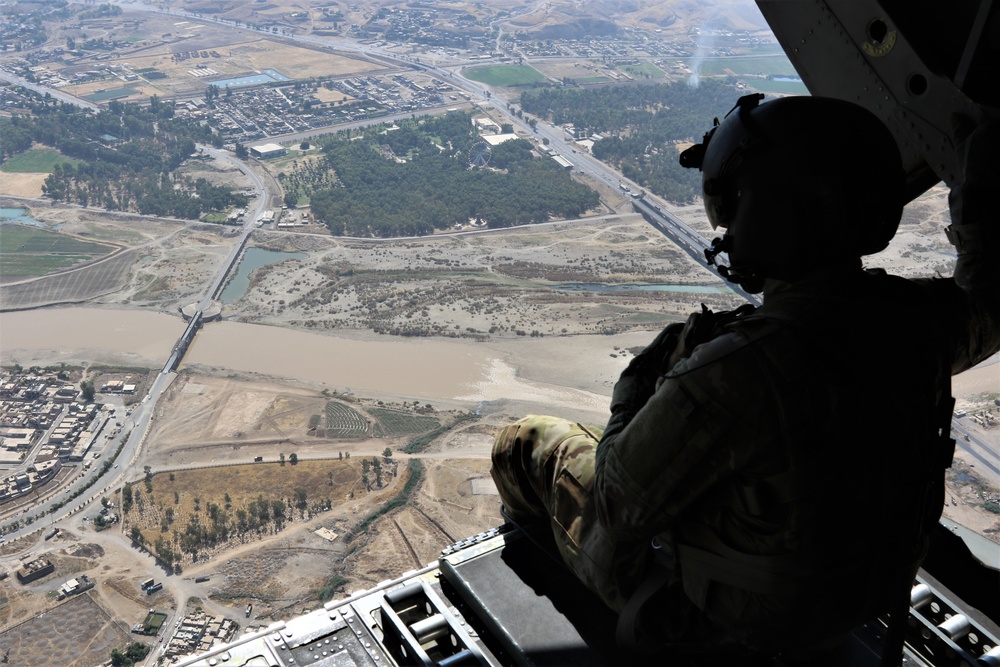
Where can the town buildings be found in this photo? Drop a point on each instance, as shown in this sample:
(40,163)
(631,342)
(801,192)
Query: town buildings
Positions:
(44,424)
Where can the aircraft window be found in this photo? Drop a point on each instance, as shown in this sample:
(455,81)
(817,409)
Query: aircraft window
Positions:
(877,31)
(916,84)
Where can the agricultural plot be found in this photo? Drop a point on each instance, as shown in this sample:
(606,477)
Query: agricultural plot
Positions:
(597,78)
(152,623)
(393,422)
(761,66)
(778,87)
(215,217)
(504,75)
(343,421)
(768,74)
(644,71)
(76,633)
(105,95)
(29,251)
(71,286)
(21,185)
(577,71)
(36,161)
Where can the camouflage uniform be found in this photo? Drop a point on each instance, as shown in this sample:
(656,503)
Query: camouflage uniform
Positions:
(851,405)
(544,467)
(785,471)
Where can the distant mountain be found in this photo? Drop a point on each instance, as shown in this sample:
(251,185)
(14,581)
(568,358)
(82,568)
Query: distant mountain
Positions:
(568,20)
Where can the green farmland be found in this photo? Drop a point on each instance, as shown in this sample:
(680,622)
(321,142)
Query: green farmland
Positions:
(153,622)
(504,75)
(777,65)
(796,87)
(644,71)
(35,161)
(394,422)
(106,95)
(26,251)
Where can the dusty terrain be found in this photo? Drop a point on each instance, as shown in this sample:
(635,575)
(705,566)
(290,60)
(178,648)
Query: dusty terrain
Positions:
(496,287)
(506,289)
(178,50)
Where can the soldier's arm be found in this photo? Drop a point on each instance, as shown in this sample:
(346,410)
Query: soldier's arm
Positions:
(637,382)
(683,441)
(974,292)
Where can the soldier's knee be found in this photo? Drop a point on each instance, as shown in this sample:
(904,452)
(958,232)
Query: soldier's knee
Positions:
(504,442)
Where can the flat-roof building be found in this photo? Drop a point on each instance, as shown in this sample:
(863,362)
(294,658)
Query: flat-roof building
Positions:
(267,150)
(497,139)
(562,162)
(36,569)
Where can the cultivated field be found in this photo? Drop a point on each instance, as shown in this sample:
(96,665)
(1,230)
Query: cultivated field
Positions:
(775,65)
(21,185)
(504,75)
(24,174)
(83,284)
(76,633)
(644,70)
(36,161)
(30,251)
(578,71)
(158,262)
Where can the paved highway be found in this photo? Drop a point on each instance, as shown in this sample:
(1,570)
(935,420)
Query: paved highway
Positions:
(976,446)
(45,90)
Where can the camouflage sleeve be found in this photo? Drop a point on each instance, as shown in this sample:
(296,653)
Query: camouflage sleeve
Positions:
(640,379)
(973,297)
(637,382)
(970,319)
(678,445)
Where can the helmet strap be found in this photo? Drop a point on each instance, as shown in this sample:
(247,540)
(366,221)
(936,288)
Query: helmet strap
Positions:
(718,246)
(751,281)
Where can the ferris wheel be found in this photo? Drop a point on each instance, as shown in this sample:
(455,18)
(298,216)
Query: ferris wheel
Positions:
(479,154)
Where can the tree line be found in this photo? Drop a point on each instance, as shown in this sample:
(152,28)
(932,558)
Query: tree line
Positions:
(415,179)
(128,157)
(641,125)
(217,524)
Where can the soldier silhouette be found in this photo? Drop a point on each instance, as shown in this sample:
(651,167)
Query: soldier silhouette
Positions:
(769,477)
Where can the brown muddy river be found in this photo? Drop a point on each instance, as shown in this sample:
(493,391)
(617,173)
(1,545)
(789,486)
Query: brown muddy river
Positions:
(421,368)
(80,335)
(413,367)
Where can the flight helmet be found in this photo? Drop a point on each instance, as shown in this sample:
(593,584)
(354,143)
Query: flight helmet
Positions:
(798,184)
